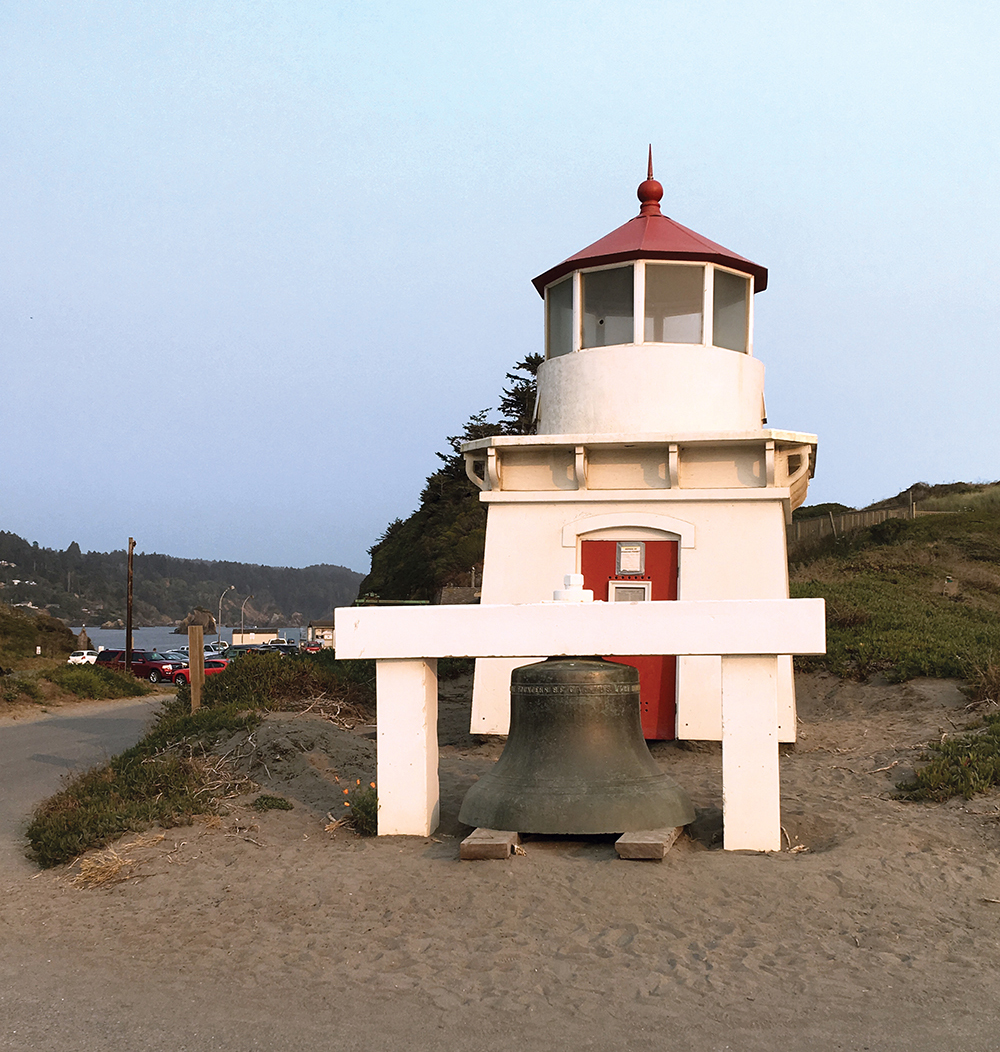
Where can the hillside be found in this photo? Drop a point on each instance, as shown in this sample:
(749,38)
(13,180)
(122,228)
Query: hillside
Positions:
(89,587)
(916,597)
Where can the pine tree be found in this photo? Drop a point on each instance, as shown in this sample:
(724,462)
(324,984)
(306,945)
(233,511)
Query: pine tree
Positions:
(443,541)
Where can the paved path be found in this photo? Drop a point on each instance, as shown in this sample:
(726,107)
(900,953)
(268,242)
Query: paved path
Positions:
(37,751)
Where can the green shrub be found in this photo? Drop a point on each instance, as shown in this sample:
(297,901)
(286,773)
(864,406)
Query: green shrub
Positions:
(105,802)
(889,531)
(97,682)
(18,688)
(364,811)
(899,629)
(963,765)
(159,780)
(271,681)
(267,802)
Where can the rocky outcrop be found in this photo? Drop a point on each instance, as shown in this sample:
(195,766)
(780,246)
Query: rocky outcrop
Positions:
(198,616)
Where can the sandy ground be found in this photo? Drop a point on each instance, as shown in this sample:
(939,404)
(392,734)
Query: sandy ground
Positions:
(269,932)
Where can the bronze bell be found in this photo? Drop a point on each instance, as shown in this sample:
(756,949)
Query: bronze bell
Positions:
(575,759)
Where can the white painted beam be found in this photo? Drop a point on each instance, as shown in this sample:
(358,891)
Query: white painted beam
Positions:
(682,627)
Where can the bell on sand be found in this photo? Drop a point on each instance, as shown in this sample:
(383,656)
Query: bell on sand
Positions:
(575,759)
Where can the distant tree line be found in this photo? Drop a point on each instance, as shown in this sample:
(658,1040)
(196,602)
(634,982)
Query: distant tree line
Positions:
(90,587)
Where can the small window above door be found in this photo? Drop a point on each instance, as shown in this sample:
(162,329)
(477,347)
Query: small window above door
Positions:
(629,591)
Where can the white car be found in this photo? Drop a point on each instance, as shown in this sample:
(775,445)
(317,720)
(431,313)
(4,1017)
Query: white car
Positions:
(82,657)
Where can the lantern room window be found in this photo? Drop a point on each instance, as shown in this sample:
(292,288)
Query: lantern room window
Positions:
(674,297)
(730,311)
(649,302)
(608,300)
(559,318)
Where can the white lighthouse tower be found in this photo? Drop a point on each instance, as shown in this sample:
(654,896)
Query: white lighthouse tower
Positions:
(652,472)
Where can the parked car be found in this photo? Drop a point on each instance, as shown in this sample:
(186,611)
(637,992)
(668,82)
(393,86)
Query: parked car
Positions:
(211,651)
(311,646)
(213,666)
(240,649)
(146,664)
(82,657)
(279,648)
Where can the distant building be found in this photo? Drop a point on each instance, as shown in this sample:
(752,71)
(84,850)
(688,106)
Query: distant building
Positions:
(252,636)
(321,632)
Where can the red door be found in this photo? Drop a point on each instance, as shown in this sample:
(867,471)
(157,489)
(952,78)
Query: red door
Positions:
(630,571)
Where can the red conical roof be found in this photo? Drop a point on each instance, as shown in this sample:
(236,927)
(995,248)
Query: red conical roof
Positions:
(651,235)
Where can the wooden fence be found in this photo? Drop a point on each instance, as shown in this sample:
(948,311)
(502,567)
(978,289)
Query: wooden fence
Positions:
(802,534)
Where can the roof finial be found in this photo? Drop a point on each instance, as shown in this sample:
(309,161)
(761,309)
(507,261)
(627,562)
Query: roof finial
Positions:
(650,191)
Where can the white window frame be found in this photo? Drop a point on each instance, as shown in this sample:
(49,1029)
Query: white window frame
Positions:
(639,303)
(578,301)
(646,586)
(710,303)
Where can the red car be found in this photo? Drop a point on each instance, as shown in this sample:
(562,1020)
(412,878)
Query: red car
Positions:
(213,666)
(146,664)
(312,647)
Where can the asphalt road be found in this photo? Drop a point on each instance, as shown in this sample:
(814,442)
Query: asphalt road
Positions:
(38,751)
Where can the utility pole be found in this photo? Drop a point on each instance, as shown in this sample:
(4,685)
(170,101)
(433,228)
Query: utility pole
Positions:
(128,609)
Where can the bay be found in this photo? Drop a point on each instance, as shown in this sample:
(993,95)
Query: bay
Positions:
(164,638)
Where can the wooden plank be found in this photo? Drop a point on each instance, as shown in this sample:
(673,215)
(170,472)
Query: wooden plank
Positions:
(647,843)
(489,843)
(196,663)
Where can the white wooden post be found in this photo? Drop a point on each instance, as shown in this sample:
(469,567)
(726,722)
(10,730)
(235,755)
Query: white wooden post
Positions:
(407,785)
(751,818)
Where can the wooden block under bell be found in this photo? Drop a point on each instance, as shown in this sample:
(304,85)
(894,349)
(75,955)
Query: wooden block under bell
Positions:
(489,843)
(647,843)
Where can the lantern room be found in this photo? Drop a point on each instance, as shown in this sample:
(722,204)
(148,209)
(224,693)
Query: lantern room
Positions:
(677,310)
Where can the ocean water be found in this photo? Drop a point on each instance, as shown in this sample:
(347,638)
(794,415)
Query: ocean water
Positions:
(165,638)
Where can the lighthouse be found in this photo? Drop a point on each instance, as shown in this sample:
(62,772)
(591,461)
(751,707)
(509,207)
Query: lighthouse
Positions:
(652,471)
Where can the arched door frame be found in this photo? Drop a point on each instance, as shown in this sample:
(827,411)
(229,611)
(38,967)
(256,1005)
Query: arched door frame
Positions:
(677,529)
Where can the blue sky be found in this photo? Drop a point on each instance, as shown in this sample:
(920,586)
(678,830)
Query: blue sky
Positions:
(261,258)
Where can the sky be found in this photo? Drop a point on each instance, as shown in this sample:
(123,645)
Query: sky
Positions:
(261,258)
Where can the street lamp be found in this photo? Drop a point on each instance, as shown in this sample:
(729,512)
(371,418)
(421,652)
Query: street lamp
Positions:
(218,624)
(242,608)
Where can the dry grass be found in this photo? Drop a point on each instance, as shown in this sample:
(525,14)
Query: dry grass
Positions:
(104,868)
(341,714)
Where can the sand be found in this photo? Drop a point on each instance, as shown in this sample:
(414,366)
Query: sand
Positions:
(271,932)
